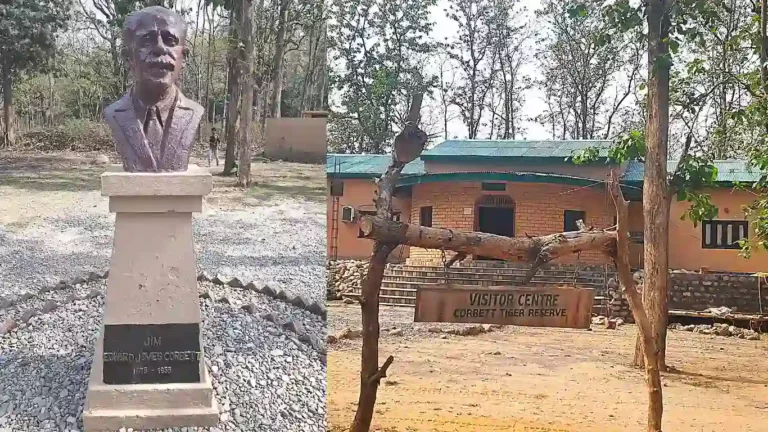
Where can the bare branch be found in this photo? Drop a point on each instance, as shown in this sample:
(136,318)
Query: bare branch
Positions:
(382,373)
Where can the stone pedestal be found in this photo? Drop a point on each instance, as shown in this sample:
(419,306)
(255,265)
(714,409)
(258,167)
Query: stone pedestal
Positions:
(148,369)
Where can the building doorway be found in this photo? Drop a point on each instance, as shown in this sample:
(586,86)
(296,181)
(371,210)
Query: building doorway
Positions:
(495,215)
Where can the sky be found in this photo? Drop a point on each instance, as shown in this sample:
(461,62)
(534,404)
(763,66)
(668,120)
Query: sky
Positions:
(534,98)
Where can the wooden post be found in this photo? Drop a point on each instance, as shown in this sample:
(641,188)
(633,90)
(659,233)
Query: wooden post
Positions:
(409,144)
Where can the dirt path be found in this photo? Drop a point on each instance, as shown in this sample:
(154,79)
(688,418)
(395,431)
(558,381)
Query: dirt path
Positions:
(528,379)
(35,186)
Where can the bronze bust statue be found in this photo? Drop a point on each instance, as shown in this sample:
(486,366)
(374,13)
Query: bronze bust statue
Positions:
(153,124)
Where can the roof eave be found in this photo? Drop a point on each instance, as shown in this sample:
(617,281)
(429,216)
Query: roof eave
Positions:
(499,158)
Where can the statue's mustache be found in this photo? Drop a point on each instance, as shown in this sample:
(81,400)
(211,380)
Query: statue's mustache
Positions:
(163,59)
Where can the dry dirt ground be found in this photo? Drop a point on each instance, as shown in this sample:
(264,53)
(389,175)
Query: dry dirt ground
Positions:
(34,186)
(537,379)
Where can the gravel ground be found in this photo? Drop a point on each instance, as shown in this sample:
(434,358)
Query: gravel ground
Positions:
(284,242)
(265,379)
(56,226)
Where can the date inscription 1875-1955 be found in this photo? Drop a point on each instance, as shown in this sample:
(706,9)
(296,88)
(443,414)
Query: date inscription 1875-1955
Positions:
(151,354)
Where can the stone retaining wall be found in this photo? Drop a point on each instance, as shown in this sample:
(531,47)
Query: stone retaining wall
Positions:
(739,292)
(699,291)
(344,276)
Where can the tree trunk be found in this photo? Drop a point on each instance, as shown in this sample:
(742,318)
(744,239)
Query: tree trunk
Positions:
(51,97)
(209,70)
(764,55)
(198,75)
(764,43)
(370,374)
(9,134)
(277,63)
(649,345)
(233,91)
(656,206)
(322,86)
(246,109)
(310,71)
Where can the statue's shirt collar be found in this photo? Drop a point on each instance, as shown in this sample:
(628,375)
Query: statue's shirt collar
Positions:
(164,107)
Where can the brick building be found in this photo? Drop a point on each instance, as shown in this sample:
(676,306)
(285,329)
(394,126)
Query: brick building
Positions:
(516,188)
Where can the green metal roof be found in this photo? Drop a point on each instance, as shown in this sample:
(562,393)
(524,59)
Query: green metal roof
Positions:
(365,166)
(522,177)
(370,166)
(506,149)
(728,171)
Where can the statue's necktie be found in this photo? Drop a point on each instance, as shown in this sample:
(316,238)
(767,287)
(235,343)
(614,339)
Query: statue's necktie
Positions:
(153,130)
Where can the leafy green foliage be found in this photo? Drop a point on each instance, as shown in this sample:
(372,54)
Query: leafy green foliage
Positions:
(379,48)
(28,30)
(693,175)
(701,207)
(588,70)
(585,156)
(757,212)
(627,146)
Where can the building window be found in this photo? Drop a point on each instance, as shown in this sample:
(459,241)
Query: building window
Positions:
(425,216)
(486,186)
(337,188)
(722,234)
(570,218)
(395,217)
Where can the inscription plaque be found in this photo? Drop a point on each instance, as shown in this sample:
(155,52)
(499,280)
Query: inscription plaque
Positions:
(535,307)
(151,353)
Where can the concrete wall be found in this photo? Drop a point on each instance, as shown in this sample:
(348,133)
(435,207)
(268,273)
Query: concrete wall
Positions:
(539,210)
(359,193)
(296,139)
(685,251)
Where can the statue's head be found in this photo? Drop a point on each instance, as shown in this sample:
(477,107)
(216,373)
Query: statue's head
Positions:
(154,40)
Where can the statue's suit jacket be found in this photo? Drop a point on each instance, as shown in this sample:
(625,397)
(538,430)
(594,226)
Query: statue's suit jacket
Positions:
(132,144)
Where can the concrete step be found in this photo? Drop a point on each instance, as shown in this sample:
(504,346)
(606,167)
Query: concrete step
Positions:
(502,268)
(508,274)
(461,280)
(407,297)
(415,284)
(389,300)
(499,270)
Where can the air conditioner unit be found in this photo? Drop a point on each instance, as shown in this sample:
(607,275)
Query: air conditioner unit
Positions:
(347,214)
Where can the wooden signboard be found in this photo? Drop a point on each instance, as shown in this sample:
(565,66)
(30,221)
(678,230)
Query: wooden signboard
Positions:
(534,307)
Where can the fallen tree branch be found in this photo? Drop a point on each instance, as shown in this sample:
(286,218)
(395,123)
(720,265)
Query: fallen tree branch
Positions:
(526,249)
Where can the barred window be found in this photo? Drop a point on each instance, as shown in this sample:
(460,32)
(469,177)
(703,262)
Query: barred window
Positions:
(722,234)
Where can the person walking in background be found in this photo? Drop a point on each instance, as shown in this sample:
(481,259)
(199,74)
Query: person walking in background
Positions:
(213,146)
